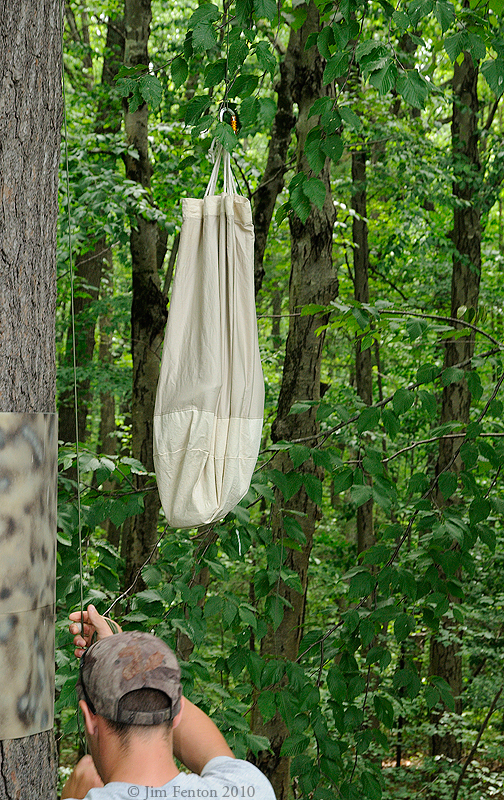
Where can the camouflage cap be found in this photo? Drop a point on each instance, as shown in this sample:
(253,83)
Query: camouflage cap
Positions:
(119,664)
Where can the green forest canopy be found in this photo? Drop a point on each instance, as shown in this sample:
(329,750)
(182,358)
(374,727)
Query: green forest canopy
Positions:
(343,625)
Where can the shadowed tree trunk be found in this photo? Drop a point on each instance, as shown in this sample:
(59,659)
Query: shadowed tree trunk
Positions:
(312,280)
(445,658)
(30,121)
(148,309)
(363,362)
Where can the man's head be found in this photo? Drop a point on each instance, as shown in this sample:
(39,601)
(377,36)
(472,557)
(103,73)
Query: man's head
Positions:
(132,680)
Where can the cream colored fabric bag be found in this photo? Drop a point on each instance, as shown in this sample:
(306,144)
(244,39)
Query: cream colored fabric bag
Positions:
(210,396)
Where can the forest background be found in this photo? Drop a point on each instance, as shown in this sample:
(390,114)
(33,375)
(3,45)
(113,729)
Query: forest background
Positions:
(343,625)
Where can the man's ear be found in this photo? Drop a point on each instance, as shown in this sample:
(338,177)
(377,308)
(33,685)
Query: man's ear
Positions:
(89,717)
(176,720)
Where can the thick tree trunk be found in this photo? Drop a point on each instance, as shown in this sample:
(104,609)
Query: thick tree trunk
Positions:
(445,659)
(363,362)
(148,310)
(312,280)
(30,120)
(273,178)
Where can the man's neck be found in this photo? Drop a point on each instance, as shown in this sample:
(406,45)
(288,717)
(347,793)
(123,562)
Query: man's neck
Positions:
(145,761)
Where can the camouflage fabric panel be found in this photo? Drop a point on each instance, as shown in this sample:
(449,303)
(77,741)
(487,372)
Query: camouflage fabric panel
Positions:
(28,493)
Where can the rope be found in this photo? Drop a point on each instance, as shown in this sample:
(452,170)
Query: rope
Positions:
(74,357)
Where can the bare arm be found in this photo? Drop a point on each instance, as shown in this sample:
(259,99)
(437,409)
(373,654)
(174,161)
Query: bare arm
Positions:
(196,739)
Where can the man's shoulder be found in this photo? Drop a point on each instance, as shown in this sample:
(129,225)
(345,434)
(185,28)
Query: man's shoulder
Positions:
(242,775)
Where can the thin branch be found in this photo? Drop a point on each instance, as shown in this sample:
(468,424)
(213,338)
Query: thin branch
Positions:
(476,743)
(451,320)
(135,579)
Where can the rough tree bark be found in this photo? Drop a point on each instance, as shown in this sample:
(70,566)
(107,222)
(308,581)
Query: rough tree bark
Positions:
(313,280)
(30,120)
(273,178)
(445,659)
(148,309)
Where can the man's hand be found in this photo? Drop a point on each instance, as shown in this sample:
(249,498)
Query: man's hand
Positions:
(93,623)
(83,778)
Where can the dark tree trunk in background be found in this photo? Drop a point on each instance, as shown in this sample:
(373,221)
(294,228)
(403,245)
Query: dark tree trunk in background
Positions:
(313,280)
(363,361)
(148,310)
(445,658)
(88,272)
(30,121)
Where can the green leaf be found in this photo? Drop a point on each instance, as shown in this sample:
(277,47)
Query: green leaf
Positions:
(315,190)
(294,745)
(384,710)
(179,71)
(215,73)
(243,86)
(206,12)
(238,52)
(299,453)
(429,402)
(384,79)
(404,624)
(204,37)
(447,483)
(444,690)
(476,47)
(313,487)
(413,88)
(336,67)
(313,150)
(275,610)
(361,494)
(342,479)
(390,422)
(336,684)
(325,40)
(361,584)
(265,9)
(289,483)
(401,19)
(402,400)
(267,705)
(455,44)
(415,328)
(479,510)
(265,57)
(195,109)
(225,135)
(368,419)
(350,118)
(249,110)
(333,147)
(445,14)
(452,375)
(432,696)
(293,529)
(493,72)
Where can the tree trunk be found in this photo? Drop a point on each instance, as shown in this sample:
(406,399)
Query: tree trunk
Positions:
(88,273)
(445,659)
(148,310)
(30,120)
(363,363)
(312,280)
(273,178)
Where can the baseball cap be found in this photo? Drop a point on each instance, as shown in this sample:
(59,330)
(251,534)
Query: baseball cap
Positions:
(122,663)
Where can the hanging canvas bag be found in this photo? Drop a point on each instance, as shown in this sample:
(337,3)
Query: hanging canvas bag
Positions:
(210,397)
